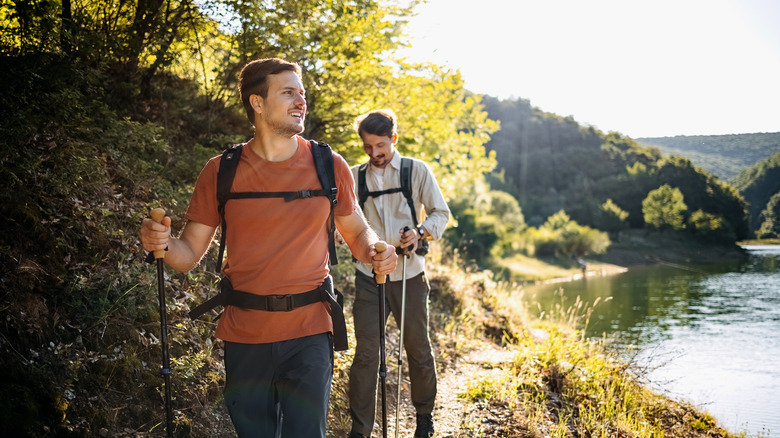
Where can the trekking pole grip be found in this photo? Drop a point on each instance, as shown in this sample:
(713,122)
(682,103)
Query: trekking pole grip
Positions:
(157,215)
(380,247)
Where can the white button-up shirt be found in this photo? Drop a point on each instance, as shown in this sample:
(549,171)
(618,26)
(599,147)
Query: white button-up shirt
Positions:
(394,213)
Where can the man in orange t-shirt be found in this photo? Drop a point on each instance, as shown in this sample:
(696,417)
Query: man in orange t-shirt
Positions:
(278,364)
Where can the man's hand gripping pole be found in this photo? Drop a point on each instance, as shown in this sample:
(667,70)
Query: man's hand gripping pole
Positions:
(157,215)
(380,281)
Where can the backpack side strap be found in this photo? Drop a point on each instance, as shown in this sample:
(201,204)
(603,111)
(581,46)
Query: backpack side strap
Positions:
(323,162)
(406,186)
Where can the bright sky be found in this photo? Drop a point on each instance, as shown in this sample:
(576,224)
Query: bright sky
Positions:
(645,68)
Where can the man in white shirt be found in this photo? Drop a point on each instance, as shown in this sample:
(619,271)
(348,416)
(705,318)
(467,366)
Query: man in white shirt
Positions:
(389,213)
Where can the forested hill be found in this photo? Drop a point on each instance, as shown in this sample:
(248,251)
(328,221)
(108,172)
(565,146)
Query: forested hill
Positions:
(723,155)
(760,186)
(552,163)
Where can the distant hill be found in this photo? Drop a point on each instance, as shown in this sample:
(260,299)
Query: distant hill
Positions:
(757,185)
(551,163)
(725,156)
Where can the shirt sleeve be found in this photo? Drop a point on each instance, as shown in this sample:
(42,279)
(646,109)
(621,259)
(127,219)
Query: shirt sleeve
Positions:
(203,204)
(347,201)
(437,213)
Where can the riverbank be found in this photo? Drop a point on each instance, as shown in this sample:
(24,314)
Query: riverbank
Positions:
(633,248)
(640,247)
(526,270)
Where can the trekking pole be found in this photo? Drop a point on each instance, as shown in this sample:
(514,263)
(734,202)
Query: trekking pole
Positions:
(401,342)
(380,282)
(157,215)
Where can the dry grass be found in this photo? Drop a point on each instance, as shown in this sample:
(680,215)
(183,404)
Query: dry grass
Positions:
(503,373)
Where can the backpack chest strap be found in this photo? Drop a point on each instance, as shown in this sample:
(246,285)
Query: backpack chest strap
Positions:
(287,196)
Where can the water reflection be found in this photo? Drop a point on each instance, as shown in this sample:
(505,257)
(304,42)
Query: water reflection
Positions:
(715,327)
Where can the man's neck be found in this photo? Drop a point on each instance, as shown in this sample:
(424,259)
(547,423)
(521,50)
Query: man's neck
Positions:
(273,147)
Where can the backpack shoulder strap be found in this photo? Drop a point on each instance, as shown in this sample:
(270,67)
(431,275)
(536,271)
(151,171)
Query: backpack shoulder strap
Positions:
(326,172)
(362,187)
(227,172)
(406,185)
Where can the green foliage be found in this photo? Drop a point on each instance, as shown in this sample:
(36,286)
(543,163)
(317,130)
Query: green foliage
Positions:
(664,208)
(611,218)
(560,236)
(758,184)
(475,230)
(551,163)
(723,155)
(489,224)
(75,180)
(27,27)
(770,227)
(710,227)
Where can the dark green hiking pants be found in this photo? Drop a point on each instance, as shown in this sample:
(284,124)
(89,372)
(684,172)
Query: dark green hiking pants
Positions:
(363,374)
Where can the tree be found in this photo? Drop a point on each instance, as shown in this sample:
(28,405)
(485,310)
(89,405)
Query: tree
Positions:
(665,208)
(770,227)
(346,50)
(612,218)
(758,184)
(562,236)
(710,227)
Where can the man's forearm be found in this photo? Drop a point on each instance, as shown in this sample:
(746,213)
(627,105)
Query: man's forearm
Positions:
(180,256)
(361,246)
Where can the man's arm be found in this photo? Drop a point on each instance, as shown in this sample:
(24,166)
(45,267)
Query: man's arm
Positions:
(437,213)
(361,239)
(183,253)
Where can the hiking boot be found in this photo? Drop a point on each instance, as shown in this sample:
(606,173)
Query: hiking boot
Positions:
(424,426)
(356,435)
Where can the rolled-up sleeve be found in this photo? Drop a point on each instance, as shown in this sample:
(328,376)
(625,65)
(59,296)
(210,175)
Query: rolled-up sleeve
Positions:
(437,213)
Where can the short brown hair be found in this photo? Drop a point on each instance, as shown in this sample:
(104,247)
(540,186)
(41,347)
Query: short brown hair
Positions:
(376,122)
(254,79)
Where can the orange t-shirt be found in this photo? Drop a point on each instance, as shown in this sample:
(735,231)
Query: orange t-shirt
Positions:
(274,247)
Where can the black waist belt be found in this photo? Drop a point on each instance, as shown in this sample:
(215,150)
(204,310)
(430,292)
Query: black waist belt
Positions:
(228,296)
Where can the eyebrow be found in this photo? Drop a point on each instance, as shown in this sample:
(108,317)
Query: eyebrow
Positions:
(294,89)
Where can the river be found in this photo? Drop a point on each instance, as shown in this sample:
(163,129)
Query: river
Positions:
(709,335)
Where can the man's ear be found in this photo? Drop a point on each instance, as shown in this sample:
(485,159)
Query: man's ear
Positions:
(257,103)
(395,137)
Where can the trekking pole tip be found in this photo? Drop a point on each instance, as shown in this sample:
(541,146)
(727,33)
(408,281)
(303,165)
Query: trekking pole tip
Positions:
(157,215)
(380,247)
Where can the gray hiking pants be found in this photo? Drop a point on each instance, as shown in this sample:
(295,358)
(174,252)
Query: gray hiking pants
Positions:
(364,373)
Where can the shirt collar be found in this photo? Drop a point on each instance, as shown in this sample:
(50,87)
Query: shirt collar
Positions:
(396,160)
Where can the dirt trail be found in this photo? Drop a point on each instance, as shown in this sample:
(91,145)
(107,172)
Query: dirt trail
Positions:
(453,380)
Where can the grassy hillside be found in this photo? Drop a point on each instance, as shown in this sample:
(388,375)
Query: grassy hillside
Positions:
(723,155)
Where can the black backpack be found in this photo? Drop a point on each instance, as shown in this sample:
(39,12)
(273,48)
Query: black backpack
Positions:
(407,165)
(323,162)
